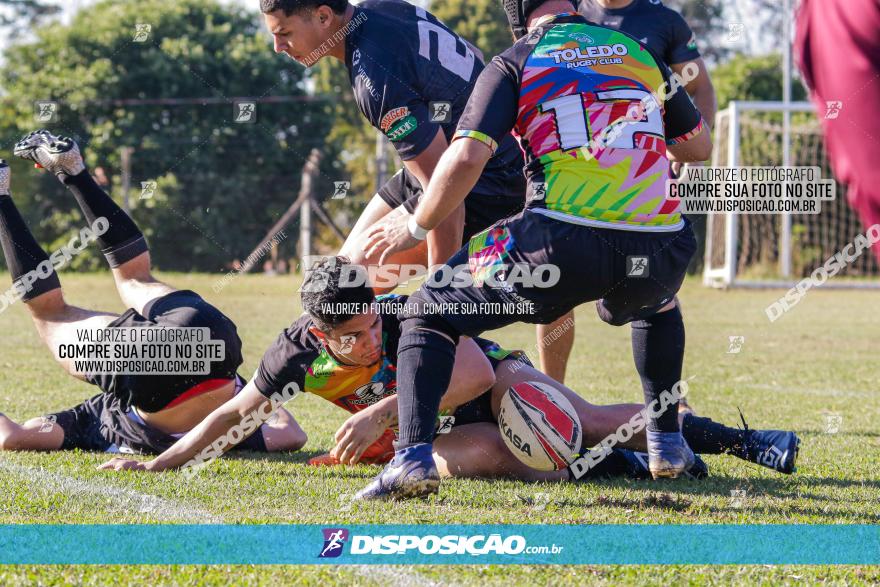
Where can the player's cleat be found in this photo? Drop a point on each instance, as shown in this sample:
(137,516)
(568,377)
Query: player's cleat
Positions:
(5,176)
(637,465)
(669,456)
(60,155)
(774,449)
(411,473)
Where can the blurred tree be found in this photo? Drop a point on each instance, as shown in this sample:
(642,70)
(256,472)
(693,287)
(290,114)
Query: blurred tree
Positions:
(752,78)
(15,15)
(220,184)
(707,19)
(481,22)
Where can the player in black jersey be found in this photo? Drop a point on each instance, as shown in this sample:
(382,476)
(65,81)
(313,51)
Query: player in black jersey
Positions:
(136,413)
(411,77)
(666,33)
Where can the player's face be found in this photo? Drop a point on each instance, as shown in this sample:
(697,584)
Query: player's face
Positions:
(359,340)
(299,35)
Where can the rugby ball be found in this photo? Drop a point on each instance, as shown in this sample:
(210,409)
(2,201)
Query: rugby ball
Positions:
(540,426)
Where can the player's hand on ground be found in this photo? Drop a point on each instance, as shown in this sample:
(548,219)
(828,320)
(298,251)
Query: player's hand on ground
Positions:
(121,464)
(389,237)
(356,435)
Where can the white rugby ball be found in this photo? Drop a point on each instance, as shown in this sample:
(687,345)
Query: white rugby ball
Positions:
(540,426)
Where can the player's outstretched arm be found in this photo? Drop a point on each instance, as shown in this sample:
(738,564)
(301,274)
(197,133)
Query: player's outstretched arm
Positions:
(248,407)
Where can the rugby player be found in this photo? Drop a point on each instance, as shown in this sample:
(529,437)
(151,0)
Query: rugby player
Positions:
(133,413)
(344,350)
(668,35)
(411,77)
(598,117)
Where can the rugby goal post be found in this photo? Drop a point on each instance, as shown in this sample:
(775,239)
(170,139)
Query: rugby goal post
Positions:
(774,250)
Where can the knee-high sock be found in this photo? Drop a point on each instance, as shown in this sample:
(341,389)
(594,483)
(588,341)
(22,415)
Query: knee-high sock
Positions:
(658,351)
(708,437)
(425,360)
(27,261)
(123,241)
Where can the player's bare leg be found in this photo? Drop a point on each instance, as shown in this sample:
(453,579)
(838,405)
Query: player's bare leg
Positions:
(35,434)
(377,211)
(57,322)
(122,243)
(136,285)
(775,449)
(555,341)
(477,450)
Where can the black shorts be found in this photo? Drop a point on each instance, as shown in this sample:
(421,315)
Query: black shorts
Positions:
(479,409)
(594,264)
(182,309)
(102,424)
(481,210)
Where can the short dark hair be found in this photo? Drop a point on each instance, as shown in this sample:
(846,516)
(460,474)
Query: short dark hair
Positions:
(323,295)
(291,6)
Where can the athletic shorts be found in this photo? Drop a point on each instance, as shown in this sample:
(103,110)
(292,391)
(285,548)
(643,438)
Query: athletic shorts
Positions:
(103,424)
(631,275)
(152,393)
(481,210)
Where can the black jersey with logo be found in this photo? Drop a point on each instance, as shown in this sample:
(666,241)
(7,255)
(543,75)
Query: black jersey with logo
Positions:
(411,76)
(662,29)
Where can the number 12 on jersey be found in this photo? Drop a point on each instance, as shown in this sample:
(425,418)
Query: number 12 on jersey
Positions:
(572,117)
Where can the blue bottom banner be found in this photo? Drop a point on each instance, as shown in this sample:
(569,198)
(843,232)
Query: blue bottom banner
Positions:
(440,544)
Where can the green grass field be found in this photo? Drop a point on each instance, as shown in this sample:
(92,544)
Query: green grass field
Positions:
(819,359)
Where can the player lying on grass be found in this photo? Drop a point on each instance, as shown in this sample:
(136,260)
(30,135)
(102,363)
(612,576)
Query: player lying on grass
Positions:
(134,413)
(344,349)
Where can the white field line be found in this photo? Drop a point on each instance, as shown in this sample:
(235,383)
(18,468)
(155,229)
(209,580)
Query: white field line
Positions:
(396,576)
(123,500)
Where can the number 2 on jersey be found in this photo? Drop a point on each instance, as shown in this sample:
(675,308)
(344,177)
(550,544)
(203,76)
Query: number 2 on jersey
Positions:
(447,47)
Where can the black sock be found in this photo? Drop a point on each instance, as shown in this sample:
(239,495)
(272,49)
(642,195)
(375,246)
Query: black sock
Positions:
(123,241)
(27,261)
(613,465)
(424,366)
(658,351)
(708,437)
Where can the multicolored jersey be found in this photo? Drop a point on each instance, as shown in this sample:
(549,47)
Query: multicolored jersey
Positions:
(586,103)
(299,357)
(412,76)
(662,29)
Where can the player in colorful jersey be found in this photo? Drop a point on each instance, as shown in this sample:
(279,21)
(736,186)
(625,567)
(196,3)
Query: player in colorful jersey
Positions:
(411,77)
(667,34)
(598,119)
(344,350)
(135,413)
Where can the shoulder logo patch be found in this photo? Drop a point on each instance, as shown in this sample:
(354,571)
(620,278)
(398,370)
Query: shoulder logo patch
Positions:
(398,123)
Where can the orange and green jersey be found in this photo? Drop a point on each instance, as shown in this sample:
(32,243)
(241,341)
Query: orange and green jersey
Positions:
(299,357)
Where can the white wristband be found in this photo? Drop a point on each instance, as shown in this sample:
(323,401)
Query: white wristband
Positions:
(415,230)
